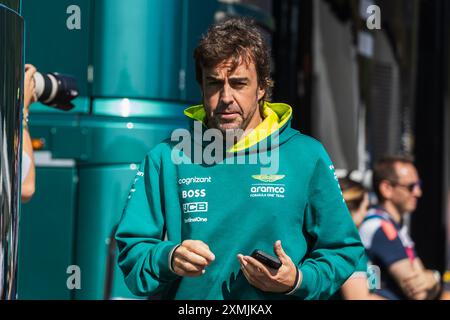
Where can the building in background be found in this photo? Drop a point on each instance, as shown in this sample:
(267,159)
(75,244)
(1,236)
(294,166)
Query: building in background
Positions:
(367,93)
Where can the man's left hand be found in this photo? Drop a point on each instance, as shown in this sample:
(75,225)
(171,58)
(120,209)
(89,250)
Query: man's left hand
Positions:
(268,279)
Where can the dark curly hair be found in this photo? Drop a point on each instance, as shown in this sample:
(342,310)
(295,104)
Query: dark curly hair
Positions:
(235,39)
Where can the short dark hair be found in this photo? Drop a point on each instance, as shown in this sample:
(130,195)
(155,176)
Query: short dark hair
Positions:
(235,39)
(353,193)
(384,169)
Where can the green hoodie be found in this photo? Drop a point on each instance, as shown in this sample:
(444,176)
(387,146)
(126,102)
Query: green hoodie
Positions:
(234,208)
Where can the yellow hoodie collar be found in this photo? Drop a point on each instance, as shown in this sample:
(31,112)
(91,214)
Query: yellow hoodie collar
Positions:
(275,115)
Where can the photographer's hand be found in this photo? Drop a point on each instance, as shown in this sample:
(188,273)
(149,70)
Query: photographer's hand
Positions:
(267,279)
(191,258)
(29,95)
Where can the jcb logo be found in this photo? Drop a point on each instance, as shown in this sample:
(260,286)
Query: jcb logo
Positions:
(193,193)
(195,207)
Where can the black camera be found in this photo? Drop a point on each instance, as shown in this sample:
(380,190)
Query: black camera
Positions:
(56,90)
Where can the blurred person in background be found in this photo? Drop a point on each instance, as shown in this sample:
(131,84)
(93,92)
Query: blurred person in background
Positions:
(386,236)
(28,167)
(356,197)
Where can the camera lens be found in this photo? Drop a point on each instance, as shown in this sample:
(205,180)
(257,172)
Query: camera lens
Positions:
(56,90)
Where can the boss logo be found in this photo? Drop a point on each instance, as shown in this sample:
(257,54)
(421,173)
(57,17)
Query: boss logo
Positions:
(195,207)
(198,193)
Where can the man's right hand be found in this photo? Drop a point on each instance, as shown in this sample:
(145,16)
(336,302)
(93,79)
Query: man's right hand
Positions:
(191,258)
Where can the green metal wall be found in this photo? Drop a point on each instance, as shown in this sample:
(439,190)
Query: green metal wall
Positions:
(137,49)
(47,235)
(52,47)
(11,79)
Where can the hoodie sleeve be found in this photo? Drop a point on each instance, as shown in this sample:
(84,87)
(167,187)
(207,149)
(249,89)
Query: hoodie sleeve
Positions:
(334,248)
(143,253)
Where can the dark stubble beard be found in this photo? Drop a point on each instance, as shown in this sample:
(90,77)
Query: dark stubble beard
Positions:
(236,133)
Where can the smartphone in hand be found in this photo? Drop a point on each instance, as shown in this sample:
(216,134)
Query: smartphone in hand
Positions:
(266,259)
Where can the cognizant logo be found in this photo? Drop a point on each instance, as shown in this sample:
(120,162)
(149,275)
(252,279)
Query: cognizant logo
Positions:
(188,181)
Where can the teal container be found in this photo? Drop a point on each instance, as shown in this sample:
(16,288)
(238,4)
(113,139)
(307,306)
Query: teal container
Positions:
(47,224)
(53,47)
(11,80)
(46,243)
(118,141)
(104,190)
(84,173)
(137,49)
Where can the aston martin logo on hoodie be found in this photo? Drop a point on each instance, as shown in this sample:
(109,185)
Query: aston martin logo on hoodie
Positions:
(268,177)
(268,189)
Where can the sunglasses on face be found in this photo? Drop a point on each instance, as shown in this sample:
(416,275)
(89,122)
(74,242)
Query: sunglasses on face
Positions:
(410,186)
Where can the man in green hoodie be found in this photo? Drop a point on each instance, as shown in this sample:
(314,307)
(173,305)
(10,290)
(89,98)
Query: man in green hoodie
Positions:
(190,224)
